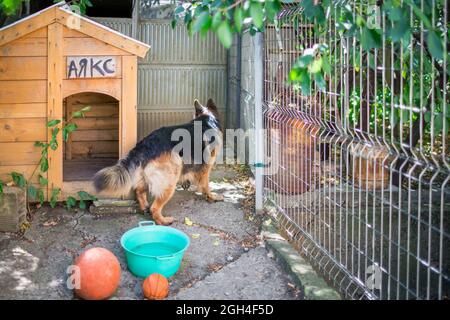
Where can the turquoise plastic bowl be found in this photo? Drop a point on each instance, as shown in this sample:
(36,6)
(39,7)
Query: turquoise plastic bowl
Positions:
(154,249)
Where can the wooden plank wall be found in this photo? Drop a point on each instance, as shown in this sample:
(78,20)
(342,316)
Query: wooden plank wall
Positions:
(97,135)
(23,103)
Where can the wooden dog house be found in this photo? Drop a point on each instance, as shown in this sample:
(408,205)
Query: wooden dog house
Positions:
(55,62)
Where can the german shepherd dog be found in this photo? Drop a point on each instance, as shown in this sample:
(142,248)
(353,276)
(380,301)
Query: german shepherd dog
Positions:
(154,166)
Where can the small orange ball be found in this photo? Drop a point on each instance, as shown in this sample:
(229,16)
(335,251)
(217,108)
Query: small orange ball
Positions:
(99,274)
(155,287)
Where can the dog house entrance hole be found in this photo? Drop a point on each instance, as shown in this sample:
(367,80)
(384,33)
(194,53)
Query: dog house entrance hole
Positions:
(95,143)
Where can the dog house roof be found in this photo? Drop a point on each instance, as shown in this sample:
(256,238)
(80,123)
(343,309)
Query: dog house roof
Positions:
(61,13)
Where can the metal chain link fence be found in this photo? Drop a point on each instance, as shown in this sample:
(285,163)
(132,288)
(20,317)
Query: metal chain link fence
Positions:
(360,170)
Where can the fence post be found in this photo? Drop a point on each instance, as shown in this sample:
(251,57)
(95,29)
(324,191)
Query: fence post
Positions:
(259,136)
(135,18)
(238,84)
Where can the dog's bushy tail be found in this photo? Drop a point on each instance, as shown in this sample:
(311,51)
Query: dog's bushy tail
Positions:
(114,180)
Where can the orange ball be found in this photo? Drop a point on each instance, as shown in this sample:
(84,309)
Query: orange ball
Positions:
(99,274)
(155,287)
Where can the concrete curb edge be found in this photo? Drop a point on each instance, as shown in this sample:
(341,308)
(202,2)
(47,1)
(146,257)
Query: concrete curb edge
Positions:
(313,285)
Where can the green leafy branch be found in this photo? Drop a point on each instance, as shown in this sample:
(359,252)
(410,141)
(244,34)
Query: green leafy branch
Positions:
(313,63)
(226,17)
(37,193)
(82,4)
(10,7)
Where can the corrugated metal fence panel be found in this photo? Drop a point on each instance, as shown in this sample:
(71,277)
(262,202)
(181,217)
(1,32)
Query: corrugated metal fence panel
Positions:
(174,46)
(163,87)
(148,121)
(123,25)
(177,70)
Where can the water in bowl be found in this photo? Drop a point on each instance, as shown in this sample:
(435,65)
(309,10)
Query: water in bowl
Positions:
(155,249)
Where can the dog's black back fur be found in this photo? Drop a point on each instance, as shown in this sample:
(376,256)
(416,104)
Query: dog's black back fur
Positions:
(160,142)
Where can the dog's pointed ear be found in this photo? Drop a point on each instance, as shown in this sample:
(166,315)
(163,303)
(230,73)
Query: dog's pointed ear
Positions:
(199,109)
(211,105)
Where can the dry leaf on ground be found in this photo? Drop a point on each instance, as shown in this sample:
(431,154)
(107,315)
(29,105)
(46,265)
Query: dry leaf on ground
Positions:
(188,222)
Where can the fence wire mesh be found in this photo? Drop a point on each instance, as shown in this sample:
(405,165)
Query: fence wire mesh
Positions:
(362,171)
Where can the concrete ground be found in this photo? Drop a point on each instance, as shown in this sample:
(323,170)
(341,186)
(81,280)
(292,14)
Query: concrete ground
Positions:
(226,258)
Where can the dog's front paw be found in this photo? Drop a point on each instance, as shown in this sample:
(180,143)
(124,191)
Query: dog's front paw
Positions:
(214,197)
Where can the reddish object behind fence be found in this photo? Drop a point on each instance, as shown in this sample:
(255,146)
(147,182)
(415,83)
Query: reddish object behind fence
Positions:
(293,139)
(99,274)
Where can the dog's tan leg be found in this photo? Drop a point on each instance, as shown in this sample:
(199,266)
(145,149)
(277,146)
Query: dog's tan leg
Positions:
(162,175)
(203,185)
(158,205)
(141,195)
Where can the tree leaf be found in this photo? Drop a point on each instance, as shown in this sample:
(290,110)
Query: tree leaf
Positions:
(44,164)
(54,197)
(40,144)
(70,202)
(69,128)
(32,192)
(77,114)
(399,30)
(65,134)
(10,6)
(179,10)
(86,109)
(304,61)
(82,204)
(313,11)
(55,132)
(86,196)
(326,65)
(435,46)
(438,123)
(316,66)
(257,14)
(53,145)
(295,74)
(272,7)
(42,181)
(238,18)
(216,20)
(41,196)
(320,81)
(53,122)
(225,35)
(202,22)
(370,39)
(18,179)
